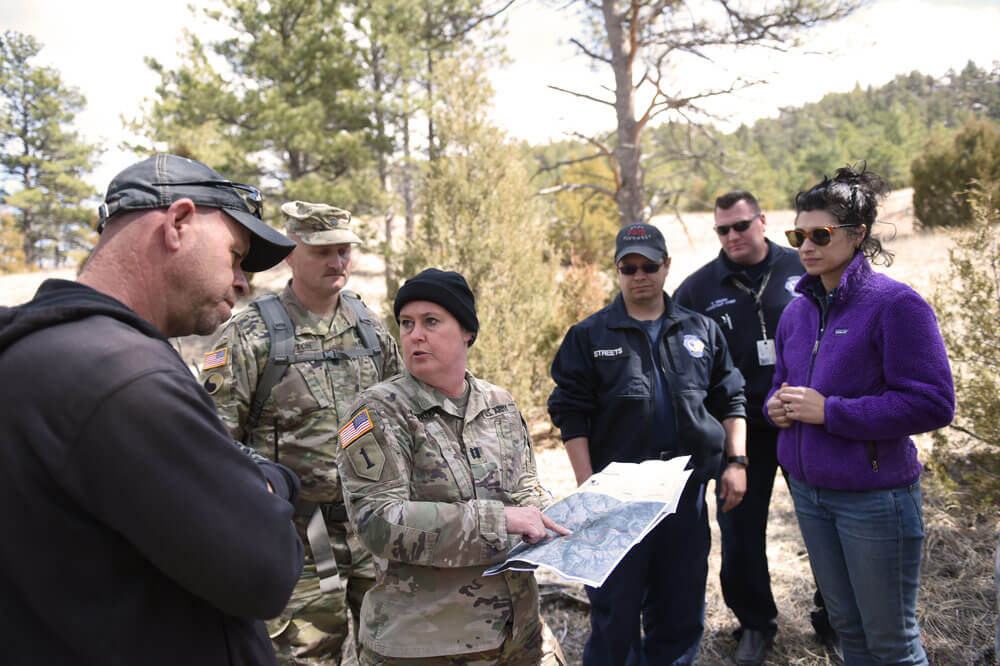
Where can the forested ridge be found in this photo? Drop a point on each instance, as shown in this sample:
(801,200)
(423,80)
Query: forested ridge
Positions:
(889,126)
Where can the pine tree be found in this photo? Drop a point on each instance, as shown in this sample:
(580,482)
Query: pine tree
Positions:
(42,160)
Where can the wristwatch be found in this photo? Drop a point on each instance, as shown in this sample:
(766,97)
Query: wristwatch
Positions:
(739,460)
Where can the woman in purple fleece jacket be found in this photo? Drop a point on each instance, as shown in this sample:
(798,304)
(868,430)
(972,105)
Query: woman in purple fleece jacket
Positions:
(860,367)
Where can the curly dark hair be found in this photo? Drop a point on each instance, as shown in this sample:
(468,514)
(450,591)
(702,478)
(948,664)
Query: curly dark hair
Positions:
(852,197)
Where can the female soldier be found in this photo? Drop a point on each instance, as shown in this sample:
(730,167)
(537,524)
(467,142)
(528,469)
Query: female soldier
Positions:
(860,367)
(439,479)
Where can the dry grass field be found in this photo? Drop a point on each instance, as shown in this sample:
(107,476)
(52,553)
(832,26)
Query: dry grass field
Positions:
(957,609)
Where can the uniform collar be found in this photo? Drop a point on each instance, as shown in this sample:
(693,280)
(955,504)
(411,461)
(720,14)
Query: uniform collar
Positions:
(725,268)
(305,321)
(427,398)
(620,317)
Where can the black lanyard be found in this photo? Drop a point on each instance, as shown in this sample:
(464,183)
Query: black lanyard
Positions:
(755,295)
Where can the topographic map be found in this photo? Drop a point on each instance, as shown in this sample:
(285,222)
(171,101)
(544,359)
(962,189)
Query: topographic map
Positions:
(607,515)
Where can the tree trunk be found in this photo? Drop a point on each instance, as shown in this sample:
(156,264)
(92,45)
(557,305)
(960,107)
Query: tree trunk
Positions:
(378,82)
(628,152)
(408,202)
(431,147)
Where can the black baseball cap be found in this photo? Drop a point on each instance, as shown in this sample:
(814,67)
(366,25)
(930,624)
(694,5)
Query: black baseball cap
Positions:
(644,239)
(160,180)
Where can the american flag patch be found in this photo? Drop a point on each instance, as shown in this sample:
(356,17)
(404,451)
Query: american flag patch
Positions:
(215,359)
(358,426)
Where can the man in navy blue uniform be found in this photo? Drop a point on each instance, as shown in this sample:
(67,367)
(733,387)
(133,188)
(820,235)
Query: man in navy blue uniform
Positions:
(744,290)
(641,379)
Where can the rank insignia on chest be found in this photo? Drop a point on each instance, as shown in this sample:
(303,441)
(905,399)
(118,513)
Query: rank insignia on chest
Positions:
(358,426)
(215,359)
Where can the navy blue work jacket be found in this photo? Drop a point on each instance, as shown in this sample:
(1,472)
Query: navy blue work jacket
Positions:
(606,387)
(711,291)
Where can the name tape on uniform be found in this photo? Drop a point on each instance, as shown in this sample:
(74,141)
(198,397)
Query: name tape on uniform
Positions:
(358,426)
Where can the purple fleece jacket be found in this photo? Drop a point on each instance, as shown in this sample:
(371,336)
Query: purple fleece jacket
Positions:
(882,366)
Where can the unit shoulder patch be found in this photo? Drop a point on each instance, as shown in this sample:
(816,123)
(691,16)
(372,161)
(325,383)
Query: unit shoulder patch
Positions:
(215,359)
(213,383)
(366,457)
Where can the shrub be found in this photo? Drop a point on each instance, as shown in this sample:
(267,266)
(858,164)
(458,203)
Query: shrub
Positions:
(968,306)
(942,175)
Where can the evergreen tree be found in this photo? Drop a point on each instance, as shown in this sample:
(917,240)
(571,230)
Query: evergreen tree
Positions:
(482,220)
(285,108)
(42,160)
(11,246)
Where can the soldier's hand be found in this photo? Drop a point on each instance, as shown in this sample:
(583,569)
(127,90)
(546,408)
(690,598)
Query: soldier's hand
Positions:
(531,523)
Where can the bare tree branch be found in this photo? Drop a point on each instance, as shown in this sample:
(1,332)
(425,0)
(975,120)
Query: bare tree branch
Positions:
(587,52)
(583,95)
(570,187)
(562,163)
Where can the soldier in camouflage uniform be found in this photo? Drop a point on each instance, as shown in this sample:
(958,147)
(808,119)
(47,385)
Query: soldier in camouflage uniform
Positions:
(440,482)
(299,420)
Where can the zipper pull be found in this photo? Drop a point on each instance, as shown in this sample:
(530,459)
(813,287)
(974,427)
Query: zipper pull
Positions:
(874,465)
(816,346)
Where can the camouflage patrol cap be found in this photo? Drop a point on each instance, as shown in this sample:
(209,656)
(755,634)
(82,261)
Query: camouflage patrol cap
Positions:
(318,224)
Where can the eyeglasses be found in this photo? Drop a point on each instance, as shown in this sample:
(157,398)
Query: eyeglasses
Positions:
(740,226)
(251,195)
(631,269)
(818,235)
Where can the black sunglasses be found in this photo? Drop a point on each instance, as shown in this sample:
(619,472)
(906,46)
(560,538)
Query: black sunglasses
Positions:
(818,235)
(648,268)
(740,226)
(251,195)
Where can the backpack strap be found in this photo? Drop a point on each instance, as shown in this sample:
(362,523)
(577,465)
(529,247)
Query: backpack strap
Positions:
(279,356)
(366,326)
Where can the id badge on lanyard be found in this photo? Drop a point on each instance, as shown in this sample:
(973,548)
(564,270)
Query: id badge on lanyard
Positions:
(766,354)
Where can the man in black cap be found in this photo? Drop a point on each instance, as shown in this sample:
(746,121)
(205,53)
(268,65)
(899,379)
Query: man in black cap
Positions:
(643,379)
(136,530)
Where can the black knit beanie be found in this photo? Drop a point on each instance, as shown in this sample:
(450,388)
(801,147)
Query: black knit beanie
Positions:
(446,288)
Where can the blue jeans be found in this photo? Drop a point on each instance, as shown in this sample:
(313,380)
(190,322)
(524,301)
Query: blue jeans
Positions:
(662,579)
(864,548)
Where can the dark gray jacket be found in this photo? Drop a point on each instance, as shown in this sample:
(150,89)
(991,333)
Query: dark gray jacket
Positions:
(134,529)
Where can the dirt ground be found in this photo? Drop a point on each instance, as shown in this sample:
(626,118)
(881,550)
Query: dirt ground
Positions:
(957,608)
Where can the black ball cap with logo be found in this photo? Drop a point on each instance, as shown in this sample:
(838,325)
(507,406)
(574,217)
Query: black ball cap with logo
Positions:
(162,179)
(644,239)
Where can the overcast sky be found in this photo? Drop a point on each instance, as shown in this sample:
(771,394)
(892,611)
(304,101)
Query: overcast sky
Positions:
(99,46)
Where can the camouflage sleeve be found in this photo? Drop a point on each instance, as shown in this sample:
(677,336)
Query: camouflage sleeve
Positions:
(392,361)
(376,466)
(529,490)
(229,376)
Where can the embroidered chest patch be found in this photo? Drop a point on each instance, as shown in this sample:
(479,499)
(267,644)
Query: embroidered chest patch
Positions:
(694,345)
(790,283)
